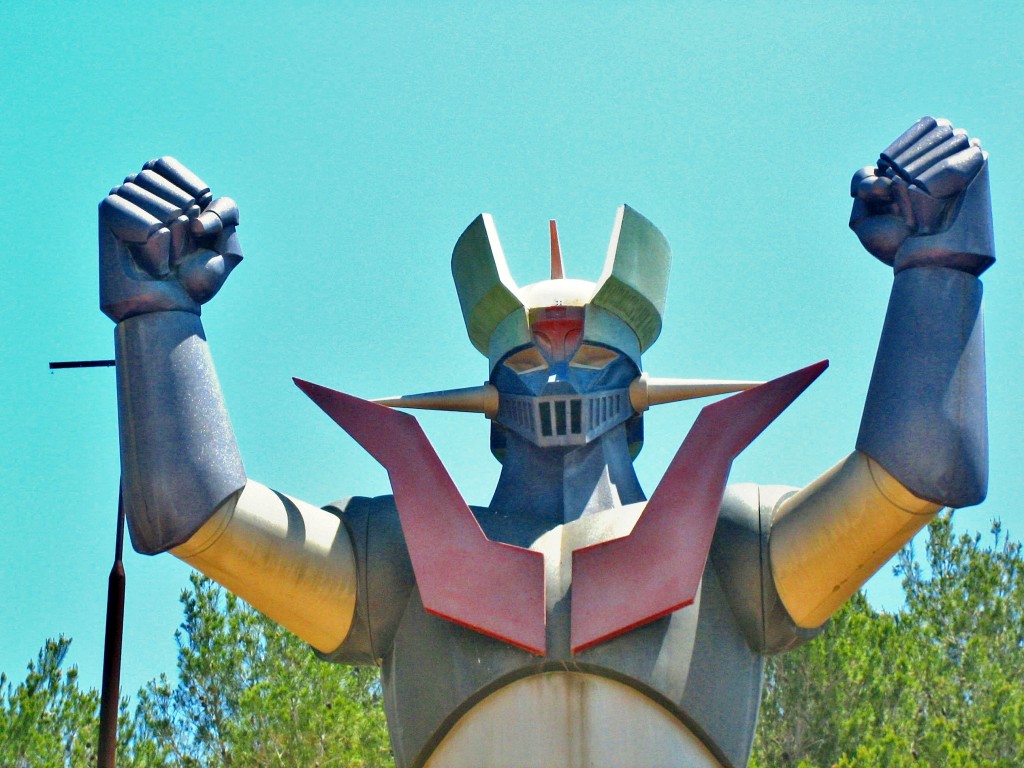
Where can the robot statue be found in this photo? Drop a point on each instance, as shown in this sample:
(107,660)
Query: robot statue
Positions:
(571,622)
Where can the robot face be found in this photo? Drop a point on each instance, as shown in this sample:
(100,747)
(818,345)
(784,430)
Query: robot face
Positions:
(559,390)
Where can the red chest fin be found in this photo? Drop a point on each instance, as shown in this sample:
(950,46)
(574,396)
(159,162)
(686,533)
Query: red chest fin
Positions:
(463,576)
(621,584)
(498,589)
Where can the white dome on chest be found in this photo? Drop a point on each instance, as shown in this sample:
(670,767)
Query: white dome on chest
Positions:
(570,720)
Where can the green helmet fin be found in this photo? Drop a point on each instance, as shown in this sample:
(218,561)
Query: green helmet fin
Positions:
(487,292)
(634,282)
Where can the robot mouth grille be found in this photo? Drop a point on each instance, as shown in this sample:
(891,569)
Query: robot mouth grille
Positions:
(557,420)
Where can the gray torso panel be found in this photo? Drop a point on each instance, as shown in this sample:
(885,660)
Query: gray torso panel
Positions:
(702,664)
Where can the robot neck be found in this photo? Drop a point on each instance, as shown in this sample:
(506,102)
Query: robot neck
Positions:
(554,486)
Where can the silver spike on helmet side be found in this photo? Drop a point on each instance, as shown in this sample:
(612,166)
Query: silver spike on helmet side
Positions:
(482,399)
(644,392)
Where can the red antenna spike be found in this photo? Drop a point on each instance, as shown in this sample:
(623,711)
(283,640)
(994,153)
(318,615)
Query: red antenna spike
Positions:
(557,268)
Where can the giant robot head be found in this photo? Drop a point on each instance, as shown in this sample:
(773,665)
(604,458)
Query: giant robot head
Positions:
(564,354)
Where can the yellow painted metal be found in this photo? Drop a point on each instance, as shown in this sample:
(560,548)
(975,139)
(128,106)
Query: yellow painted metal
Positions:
(290,560)
(832,536)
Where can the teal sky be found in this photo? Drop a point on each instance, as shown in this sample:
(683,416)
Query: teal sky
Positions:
(359,141)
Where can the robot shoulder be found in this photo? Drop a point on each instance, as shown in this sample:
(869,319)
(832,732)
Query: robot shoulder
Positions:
(384,573)
(739,555)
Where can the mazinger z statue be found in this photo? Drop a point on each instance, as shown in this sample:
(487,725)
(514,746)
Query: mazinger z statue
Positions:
(573,621)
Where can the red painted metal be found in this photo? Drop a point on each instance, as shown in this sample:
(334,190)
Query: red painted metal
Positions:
(498,589)
(493,588)
(558,331)
(625,583)
(557,267)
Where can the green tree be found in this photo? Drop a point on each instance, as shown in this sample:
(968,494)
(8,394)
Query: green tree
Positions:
(47,720)
(941,682)
(249,693)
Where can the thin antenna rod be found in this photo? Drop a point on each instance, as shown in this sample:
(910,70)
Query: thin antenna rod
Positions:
(81,364)
(557,268)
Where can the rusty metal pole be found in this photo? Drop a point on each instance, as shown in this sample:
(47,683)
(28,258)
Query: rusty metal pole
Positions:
(110,694)
(110,691)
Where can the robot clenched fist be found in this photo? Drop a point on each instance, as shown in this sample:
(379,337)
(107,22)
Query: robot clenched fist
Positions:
(165,242)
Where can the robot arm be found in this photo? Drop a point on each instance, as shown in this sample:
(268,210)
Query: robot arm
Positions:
(830,537)
(166,247)
(925,211)
(292,561)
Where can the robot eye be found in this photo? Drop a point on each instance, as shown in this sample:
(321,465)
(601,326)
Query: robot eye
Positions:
(592,358)
(527,360)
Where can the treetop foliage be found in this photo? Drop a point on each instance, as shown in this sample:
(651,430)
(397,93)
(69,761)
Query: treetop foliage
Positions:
(939,683)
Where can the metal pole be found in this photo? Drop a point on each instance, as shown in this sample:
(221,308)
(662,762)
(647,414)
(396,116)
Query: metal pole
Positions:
(110,691)
(110,694)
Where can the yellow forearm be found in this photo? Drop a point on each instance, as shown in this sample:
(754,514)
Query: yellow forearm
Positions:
(290,560)
(832,536)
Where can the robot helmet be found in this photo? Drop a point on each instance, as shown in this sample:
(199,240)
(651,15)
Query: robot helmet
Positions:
(564,354)
(622,310)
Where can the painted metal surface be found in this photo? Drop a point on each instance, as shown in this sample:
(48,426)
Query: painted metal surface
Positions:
(179,458)
(829,537)
(617,585)
(557,265)
(628,582)
(493,588)
(482,399)
(487,292)
(632,287)
(647,391)
(933,345)
(926,203)
(574,720)
(634,282)
(293,561)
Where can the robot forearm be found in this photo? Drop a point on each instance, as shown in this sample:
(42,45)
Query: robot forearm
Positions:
(186,491)
(925,417)
(179,458)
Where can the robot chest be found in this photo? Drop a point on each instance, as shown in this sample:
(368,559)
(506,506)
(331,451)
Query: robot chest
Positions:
(651,696)
(558,545)
(570,719)
(618,584)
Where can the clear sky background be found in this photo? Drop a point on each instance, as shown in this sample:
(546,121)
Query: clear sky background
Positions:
(359,141)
